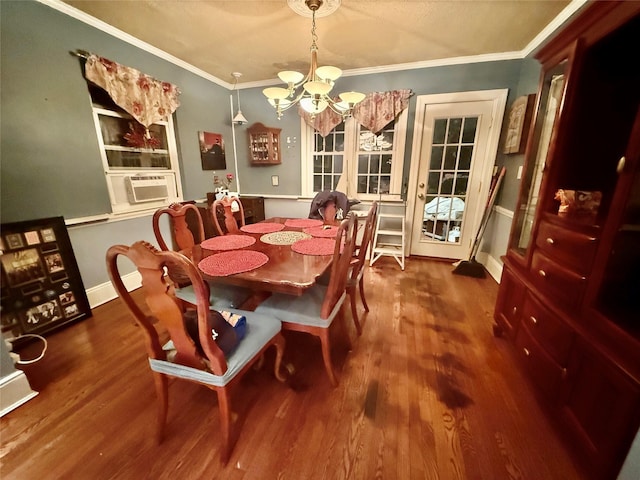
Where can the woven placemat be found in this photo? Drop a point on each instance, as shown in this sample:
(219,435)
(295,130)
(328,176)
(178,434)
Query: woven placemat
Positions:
(302,222)
(264,227)
(314,246)
(323,231)
(228,242)
(283,238)
(229,263)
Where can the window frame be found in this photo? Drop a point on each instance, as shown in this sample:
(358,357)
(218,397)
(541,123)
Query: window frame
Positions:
(352,131)
(114,175)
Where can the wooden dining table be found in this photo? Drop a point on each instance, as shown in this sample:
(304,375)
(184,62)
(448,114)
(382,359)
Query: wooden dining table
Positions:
(285,272)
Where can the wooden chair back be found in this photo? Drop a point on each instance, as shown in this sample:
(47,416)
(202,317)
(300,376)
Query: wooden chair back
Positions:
(165,307)
(223,216)
(183,235)
(342,257)
(367,236)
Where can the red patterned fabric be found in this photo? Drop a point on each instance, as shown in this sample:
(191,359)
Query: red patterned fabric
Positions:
(379,108)
(325,231)
(228,242)
(374,112)
(314,246)
(146,99)
(264,227)
(229,263)
(302,222)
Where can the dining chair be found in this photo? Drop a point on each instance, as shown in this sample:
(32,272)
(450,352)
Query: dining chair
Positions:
(315,310)
(222,214)
(220,296)
(356,277)
(196,358)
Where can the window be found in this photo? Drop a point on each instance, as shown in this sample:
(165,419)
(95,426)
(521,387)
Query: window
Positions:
(141,170)
(367,166)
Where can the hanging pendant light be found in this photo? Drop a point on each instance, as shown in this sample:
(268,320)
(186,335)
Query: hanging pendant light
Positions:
(239,117)
(313,97)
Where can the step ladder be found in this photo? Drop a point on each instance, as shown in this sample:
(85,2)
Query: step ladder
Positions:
(388,239)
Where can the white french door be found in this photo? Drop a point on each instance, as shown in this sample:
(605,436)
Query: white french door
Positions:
(454,147)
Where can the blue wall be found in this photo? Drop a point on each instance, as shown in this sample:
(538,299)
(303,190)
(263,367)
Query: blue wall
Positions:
(50,158)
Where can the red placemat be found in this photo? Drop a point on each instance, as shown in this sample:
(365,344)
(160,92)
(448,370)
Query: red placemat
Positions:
(264,227)
(302,222)
(314,246)
(324,231)
(229,263)
(228,242)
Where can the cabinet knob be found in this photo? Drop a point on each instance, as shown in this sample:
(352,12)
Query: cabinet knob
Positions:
(526,352)
(515,310)
(621,164)
(550,241)
(542,273)
(534,320)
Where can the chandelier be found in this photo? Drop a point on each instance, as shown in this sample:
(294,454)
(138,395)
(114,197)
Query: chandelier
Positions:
(316,85)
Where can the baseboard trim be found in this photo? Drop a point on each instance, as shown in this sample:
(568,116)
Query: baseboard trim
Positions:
(14,391)
(493,266)
(105,292)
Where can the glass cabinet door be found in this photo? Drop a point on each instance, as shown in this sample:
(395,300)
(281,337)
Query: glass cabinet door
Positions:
(549,102)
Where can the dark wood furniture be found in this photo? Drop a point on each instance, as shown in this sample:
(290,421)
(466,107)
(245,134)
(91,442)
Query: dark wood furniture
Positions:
(204,364)
(184,220)
(570,291)
(286,272)
(314,311)
(264,145)
(253,213)
(223,215)
(356,278)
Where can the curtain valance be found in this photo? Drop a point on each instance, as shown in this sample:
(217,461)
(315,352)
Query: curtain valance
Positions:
(146,99)
(374,112)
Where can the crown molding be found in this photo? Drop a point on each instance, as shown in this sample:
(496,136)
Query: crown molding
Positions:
(551,28)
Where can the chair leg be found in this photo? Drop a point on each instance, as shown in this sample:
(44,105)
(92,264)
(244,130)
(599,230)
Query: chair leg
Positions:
(279,343)
(364,301)
(351,291)
(225,424)
(326,355)
(162,392)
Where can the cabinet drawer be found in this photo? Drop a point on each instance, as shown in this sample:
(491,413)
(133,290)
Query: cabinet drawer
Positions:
(548,330)
(564,285)
(545,373)
(574,249)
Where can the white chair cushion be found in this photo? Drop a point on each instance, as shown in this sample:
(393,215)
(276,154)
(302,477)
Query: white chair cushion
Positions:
(222,297)
(260,330)
(303,310)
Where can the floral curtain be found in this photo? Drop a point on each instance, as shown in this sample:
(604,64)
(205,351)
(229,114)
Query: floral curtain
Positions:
(379,108)
(146,99)
(374,112)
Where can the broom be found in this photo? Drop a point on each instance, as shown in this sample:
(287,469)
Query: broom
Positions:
(472,268)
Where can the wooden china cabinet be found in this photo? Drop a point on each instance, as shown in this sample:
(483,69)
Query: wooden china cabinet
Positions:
(569,298)
(264,145)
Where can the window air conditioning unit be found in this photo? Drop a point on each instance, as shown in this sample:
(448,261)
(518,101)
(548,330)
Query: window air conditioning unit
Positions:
(146,188)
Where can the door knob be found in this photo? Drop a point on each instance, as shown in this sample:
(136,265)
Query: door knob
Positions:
(421,196)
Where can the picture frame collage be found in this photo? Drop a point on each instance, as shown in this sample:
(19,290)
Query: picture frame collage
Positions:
(42,289)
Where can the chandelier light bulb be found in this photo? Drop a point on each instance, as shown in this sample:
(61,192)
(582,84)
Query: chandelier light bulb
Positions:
(328,73)
(290,77)
(276,93)
(316,85)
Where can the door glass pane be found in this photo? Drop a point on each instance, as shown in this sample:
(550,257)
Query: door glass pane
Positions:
(448,178)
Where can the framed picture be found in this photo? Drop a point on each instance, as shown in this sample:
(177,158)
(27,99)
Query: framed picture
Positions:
(41,285)
(520,115)
(212,151)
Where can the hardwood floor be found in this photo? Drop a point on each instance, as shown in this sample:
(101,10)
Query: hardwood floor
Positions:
(426,393)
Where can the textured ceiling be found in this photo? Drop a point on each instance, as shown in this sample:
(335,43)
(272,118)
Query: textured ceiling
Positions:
(260,38)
